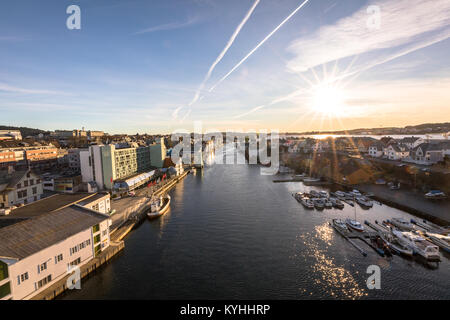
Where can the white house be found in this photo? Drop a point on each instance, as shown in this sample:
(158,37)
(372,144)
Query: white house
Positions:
(19,187)
(50,244)
(376,150)
(427,153)
(396,152)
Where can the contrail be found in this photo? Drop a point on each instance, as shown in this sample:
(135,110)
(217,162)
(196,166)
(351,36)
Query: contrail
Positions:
(259,44)
(224,51)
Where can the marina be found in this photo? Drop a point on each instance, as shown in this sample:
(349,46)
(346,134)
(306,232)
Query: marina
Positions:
(274,249)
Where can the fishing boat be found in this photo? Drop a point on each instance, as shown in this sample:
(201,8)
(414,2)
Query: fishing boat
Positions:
(365,202)
(440,240)
(355,225)
(402,224)
(340,224)
(418,244)
(337,203)
(159,207)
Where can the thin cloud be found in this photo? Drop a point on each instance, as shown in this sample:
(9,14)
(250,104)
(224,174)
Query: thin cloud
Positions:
(259,45)
(224,51)
(401,22)
(8,88)
(170,26)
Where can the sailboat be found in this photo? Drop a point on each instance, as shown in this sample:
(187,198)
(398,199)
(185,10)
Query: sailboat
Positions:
(354,224)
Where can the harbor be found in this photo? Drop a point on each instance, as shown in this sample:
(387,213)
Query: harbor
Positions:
(208,246)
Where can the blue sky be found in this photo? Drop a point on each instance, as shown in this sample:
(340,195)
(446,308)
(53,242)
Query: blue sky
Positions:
(141,66)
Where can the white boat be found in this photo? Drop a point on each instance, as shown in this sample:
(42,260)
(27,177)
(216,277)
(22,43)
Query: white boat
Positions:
(340,224)
(337,203)
(328,204)
(365,202)
(356,193)
(307,203)
(340,194)
(355,225)
(159,207)
(440,240)
(318,203)
(435,194)
(314,194)
(398,247)
(418,244)
(323,194)
(402,224)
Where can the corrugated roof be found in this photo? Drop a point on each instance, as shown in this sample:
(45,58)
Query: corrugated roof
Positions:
(33,235)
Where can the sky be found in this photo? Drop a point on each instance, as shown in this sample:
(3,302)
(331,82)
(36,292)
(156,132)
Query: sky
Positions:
(141,66)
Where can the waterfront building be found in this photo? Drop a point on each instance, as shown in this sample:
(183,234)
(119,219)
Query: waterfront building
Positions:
(10,135)
(50,244)
(107,163)
(427,153)
(396,152)
(158,153)
(61,183)
(19,187)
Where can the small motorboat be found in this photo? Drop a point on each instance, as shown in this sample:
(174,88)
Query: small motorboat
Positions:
(418,244)
(337,203)
(365,202)
(356,193)
(314,194)
(440,240)
(307,203)
(402,224)
(355,225)
(328,204)
(159,207)
(318,203)
(340,224)
(340,194)
(435,194)
(323,194)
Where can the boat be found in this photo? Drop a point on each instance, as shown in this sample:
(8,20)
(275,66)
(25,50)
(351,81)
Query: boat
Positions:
(323,194)
(355,225)
(318,203)
(328,204)
(365,202)
(440,240)
(396,246)
(429,226)
(418,244)
(356,193)
(402,224)
(337,203)
(159,207)
(307,203)
(340,194)
(380,245)
(314,194)
(298,196)
(340,224)
(435,194)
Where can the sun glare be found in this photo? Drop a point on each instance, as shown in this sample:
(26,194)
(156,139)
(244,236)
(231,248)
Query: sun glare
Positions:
(327,99)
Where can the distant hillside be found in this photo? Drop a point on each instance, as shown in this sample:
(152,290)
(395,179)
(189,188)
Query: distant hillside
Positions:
(23,130)
(418,129)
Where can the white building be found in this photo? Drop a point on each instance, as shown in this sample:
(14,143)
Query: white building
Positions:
(376,150)
(19,187)
(396,152)
(49,245)
(427,154)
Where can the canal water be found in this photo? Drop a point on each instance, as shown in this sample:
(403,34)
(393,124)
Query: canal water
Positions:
(231,233)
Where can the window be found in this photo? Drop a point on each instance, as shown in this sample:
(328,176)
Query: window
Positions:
(42,267)
(96,228)
(58,258)
(75,262)
(22,277)
(25,183)
(34,190)
(19,186)
(31,182)
(44,281)
(97,238)
(3,270)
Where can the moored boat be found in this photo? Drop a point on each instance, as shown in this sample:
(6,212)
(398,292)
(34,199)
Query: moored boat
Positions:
(159,207)
(355,225)
(440,240)
(418,244)
(337,203)
(338,223)
(365,202)
(318,203)
(402,224)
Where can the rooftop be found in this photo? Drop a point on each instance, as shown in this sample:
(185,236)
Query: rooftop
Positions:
(25,238)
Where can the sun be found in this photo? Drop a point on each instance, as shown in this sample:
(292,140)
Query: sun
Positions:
(328,99)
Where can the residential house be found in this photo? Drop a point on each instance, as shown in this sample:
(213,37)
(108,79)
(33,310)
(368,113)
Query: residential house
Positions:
(19,187)
(396,152)
(376,149)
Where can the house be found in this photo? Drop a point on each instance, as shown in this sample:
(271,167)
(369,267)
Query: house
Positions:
(427,153)
(35,253)
(409,142)
(396,152)
(376,149)
(19,187)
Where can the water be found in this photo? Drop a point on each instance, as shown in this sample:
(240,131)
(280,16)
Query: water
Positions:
(231,233)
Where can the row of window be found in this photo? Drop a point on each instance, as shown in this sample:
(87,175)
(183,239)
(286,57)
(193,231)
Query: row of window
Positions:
(80,246)
(23,277)
(24,193)
(44,281)
(26,183)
